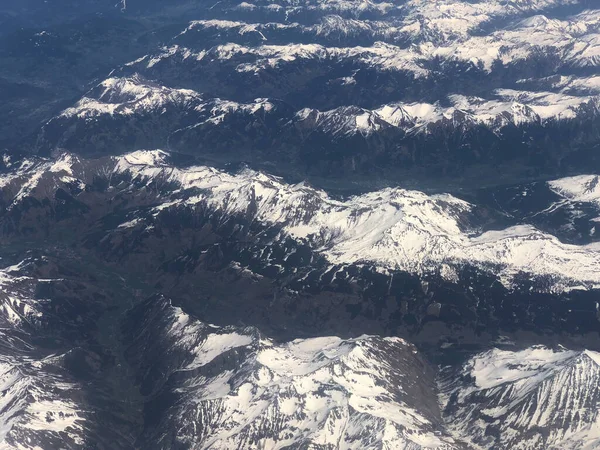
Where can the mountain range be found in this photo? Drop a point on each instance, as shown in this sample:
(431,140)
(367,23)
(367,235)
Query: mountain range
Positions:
(312,225)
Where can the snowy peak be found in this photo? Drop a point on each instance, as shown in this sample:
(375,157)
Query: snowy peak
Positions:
(455,31)
(127,96)
(583,188)
(35,408)
(31,177)
(343,121)
(133,96)
(465,90)
(520,393)
(40,406)
(393,228)
(322,392)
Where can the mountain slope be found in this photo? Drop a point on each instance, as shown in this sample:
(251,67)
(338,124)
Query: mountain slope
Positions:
(393,229)
(529,399)
(370,224)
(471,93)
(232,388)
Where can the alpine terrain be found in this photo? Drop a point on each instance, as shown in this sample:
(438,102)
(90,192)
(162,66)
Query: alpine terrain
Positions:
(300,225)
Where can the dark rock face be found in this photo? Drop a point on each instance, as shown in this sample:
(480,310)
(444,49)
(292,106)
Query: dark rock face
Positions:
(59,373)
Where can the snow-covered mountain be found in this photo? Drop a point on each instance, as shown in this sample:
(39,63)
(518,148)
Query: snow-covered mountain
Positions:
(123,96)
(37,406)
(468,92)
(202,386)
(393,229)
(47,317)
(135,96)
(292,241)
(527,399)
(369,224)
(233,388)
(512,46)
(23,398)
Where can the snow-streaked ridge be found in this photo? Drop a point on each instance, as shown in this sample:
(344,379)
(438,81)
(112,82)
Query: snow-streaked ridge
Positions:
(131,96)
(37,403)
(527,399)
(322,392)
(509,107)
(127,96)
(438,29)
(581,188)
(392,228)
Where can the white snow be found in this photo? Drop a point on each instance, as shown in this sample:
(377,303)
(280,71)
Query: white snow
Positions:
(133,95)
(440,29)
(324,391)
(127,96)
(392,228)
(215,345)
(540,395)
(507,107)
(35,396)
(581,188)
(497,367)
